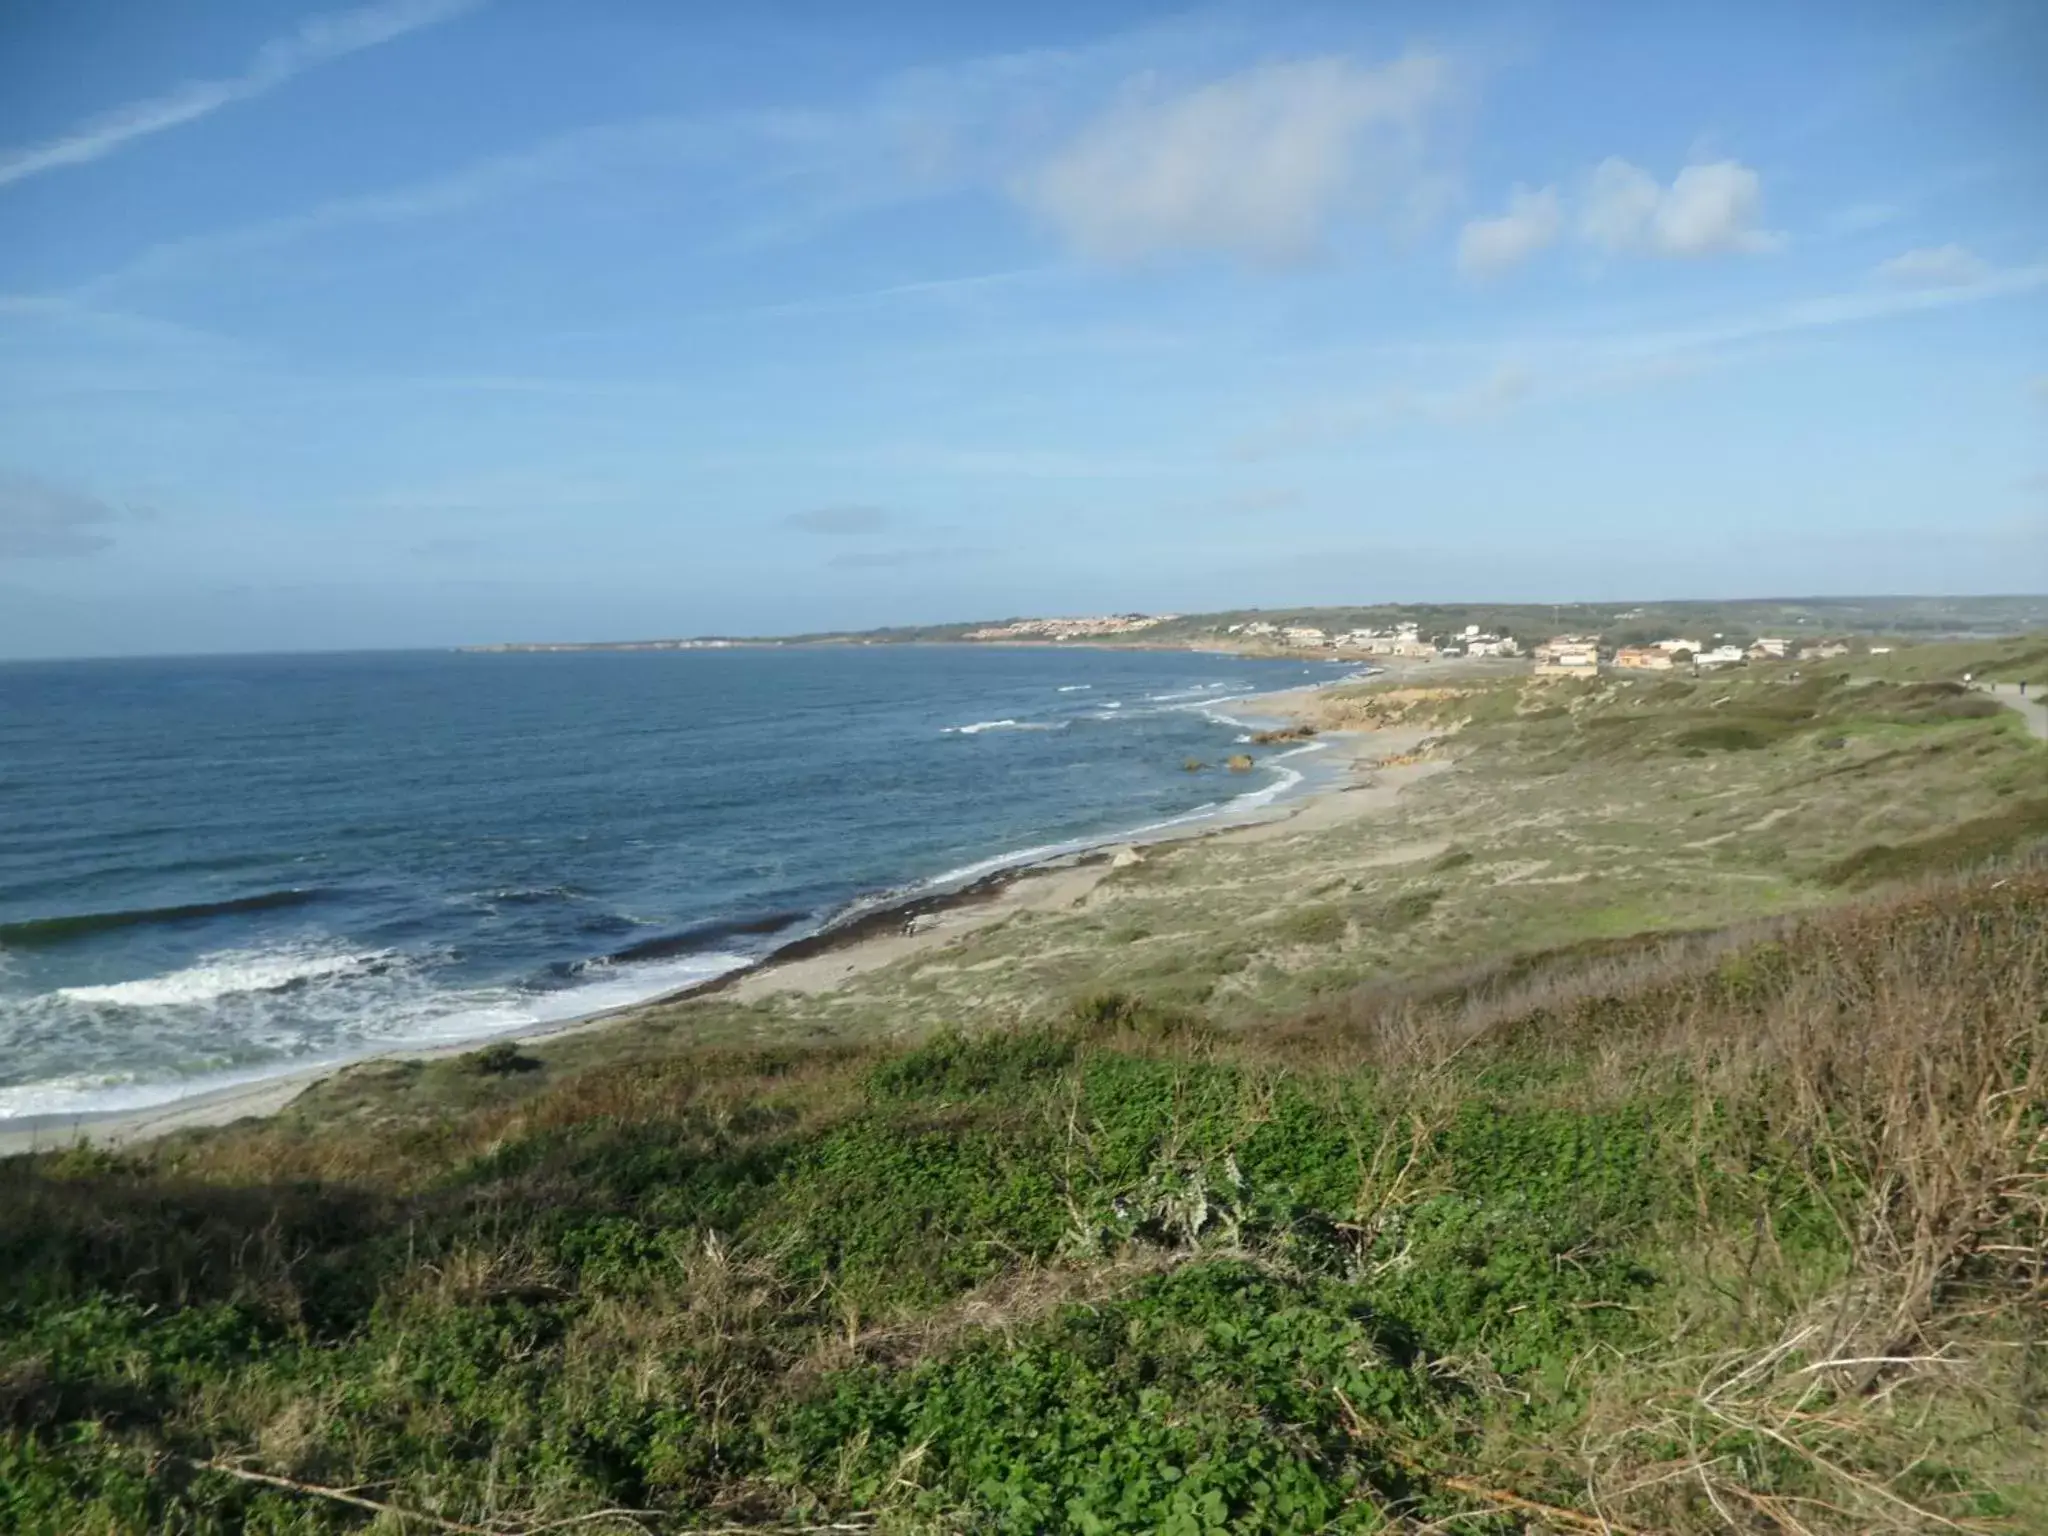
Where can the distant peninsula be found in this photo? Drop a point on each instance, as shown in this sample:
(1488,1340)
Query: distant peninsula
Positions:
(1421,628)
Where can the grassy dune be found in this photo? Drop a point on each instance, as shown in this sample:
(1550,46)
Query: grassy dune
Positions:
(1346,1180)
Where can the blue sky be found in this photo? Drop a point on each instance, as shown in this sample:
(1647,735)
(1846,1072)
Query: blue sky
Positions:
(430,321)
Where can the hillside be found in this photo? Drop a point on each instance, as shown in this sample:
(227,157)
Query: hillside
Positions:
(1919,618)
(1640,1124)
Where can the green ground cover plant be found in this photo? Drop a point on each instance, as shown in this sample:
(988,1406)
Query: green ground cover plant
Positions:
(1730,1230)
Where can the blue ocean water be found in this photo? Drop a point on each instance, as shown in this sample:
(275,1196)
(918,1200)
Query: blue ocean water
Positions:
(216,869)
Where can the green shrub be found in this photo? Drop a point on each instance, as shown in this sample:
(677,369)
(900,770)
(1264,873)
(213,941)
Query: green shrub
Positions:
(498,1060)
(1738,735)
(1313,923)
(1959,847)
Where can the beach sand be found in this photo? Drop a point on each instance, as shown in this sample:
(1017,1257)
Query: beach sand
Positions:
(1362,785)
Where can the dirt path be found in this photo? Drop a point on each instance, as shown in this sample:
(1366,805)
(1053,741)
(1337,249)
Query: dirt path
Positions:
(2030,706)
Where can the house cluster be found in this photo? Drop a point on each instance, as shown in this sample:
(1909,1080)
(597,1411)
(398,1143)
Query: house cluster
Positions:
(1402,640)
(1663,655)
(1478,642)
(1071,629)
(1405,639)
(1568,656)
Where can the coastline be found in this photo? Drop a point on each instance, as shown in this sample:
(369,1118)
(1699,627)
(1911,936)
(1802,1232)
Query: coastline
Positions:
(914,923)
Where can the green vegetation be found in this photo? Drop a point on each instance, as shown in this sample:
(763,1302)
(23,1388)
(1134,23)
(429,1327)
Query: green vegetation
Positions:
(2019,658)
(1586,1147)
(1691,1227)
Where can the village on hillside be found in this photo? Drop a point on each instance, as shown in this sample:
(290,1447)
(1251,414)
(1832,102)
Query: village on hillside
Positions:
(1566,655)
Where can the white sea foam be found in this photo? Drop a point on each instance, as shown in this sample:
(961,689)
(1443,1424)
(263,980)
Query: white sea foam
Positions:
(1076,687)
(88,1095)
(225,974)
(372,1009)
(1257,799)
(1285,780)
(1003,725)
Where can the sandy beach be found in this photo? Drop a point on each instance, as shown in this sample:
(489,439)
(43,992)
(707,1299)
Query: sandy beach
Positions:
(1368,772)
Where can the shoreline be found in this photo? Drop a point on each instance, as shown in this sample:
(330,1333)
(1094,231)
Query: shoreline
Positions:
(892,929)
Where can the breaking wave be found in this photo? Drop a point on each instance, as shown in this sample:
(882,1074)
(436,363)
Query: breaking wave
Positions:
(226,974)
(37,932)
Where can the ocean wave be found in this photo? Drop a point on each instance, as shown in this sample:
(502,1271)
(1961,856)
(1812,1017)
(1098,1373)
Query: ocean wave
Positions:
(1177,696)
(1003,725)
(694,939)
(1222,812)
(112,1092)
(1257,799)
(352,1014)
(1076,687)
(40,932)
(226,974)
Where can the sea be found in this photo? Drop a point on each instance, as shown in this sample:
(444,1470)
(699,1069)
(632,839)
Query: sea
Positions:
(221,869)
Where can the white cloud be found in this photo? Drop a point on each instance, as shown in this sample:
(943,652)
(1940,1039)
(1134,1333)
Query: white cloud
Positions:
(1939,266)
(1256,165)
(1487,247)
(1707,210)
(318,40)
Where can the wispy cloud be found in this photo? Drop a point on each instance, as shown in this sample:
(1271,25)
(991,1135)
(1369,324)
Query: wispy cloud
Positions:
(839,522)
(1940,266)
(870,298)
(1556,367)
(1860,218)
(1019,463)
(318,40)
(1708,210)
(449,547)
(1256,165)
(40,520)
(1330,422)
(1488,247)
(1841,309)
(975,123)
(564,157)
(899,559)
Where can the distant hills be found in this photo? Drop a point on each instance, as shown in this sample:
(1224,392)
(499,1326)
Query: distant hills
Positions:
(1736,619)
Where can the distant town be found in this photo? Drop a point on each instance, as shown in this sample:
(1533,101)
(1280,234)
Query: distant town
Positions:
(1559,656)
(1556,639)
